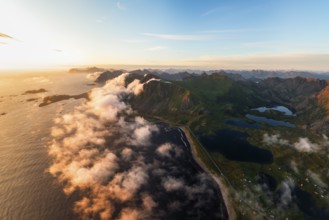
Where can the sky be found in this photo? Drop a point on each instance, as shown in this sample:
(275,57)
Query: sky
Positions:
(223,34)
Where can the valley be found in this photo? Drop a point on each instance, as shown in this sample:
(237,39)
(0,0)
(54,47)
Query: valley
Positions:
(271,170)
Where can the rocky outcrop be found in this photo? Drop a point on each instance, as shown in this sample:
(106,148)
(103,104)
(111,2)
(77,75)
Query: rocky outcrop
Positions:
(36,91)
(298,93)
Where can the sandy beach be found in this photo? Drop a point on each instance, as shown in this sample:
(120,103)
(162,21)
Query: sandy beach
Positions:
(224,190)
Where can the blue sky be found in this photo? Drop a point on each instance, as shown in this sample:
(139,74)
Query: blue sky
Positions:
(237,34)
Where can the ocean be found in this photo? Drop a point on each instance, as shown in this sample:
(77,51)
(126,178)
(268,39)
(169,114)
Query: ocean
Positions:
(27,191)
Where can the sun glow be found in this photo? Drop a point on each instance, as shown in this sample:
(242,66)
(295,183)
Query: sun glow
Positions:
(26,42)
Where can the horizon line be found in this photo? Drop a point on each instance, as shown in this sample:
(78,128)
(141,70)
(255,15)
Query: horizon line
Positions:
(130,67)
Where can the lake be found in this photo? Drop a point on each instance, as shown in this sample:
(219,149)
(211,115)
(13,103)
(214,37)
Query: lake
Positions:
(279,108)
(235,146)
(269,121)
(242,124)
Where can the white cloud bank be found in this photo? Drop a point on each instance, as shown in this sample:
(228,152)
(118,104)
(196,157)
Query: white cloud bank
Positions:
(81,161)
(100,150)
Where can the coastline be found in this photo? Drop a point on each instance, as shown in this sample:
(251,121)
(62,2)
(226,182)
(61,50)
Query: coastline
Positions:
(224,190)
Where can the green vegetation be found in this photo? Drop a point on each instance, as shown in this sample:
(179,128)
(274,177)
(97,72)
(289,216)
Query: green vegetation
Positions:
(204,103)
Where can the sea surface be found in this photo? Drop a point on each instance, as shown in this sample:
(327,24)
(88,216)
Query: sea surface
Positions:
(28,191)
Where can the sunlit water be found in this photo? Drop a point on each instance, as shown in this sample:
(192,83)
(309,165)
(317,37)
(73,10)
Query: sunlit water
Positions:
(27,191)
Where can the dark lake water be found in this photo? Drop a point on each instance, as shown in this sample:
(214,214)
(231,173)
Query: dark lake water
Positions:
(235,146)
(208,203)
(264,178)
(269,121)
(307,204)
(241,124)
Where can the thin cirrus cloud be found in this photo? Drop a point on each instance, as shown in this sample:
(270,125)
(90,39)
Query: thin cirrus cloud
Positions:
(211,11)
(133,41)
(6,36)
(179,37)
(156,48)
(238,30)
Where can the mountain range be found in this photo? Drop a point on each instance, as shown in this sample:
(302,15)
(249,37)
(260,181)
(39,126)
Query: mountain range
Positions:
(267,135)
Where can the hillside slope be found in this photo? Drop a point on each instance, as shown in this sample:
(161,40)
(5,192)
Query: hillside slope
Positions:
(267,157)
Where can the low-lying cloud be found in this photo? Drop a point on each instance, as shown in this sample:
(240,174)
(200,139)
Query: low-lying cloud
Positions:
(93,76)
(266,203)
(274,139)
(305,145)
(316,178)
(110,156)
(302,145)
(286,189)
(171,184)
(169,150)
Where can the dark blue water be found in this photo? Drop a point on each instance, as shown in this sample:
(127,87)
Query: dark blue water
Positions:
(264,178)
(269,121)
(241,124)
(208,204)
(198,198)
(307,204)
(286,111)
(235,146)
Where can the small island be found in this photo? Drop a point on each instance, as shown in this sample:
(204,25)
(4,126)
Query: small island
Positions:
(36,91)
(57,98)
(32,99)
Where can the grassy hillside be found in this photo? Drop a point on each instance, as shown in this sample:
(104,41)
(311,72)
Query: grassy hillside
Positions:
(222,98)
(257,185)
